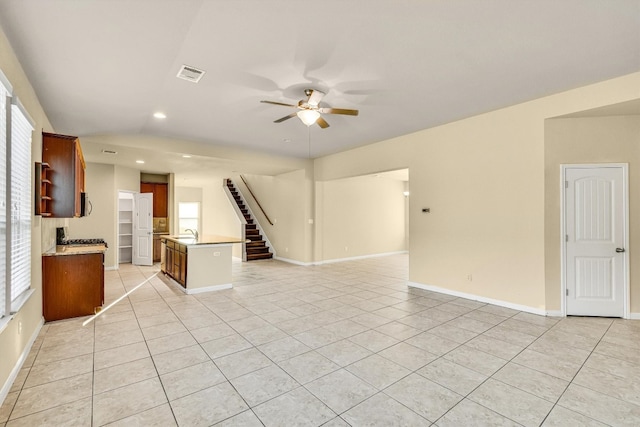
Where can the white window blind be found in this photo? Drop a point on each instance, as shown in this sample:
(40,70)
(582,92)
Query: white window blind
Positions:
(21,130)
(4,101)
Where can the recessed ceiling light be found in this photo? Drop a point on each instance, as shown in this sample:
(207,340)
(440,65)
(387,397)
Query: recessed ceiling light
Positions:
(159,115)
(186,156)
(140,161)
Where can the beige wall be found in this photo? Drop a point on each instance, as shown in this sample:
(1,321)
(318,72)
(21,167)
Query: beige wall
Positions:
(12,343)
(100,186)
(589,140)
(360,216)
(483,179)
(286,199)
(103,183)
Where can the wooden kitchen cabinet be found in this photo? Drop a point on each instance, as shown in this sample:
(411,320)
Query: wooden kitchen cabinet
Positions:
(176,262)
(161,201)
(160,197)
(72,285)
(157,246)
(66,174)
(42,189)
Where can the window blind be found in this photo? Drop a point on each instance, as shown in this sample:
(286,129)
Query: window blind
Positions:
(20,165)
(4,290)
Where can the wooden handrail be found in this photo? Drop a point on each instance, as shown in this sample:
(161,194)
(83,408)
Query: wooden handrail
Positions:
(254,198)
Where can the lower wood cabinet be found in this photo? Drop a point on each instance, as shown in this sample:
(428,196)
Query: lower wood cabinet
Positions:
(175,262)
(72,285)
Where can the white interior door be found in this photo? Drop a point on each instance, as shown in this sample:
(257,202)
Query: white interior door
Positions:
(595,223)
(143,229)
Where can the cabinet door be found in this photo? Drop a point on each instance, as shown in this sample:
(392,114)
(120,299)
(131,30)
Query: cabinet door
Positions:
(160,201)
(66,162)
(72,285)
(147,187)
(168,260)
(156,248)
(183,269)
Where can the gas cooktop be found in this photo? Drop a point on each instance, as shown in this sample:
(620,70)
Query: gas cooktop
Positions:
(81,242)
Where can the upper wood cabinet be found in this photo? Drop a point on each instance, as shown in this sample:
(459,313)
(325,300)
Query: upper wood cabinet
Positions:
(66,173)
(160,197)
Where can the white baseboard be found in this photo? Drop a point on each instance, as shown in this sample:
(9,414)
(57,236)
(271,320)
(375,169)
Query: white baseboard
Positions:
(473,297)
(191,291)
(555,313)
(634,316)
(112,268)
(331,261)
(208,289)
(293,261)
(16,369)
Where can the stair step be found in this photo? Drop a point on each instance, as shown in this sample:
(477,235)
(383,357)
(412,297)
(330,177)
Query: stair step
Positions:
(253,257)
(257,250)
(250,226)
(254,237)
(251,231)
(255,243)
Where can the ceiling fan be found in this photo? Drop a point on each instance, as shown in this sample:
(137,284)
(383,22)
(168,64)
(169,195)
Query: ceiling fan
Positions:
(310,110)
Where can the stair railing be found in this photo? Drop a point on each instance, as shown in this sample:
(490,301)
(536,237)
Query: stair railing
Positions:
(254,198)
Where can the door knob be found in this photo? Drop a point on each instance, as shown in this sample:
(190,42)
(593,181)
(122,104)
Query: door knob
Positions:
(619,250)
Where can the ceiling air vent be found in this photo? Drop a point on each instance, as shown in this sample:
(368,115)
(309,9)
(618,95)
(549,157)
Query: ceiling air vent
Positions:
(190,74)
(109,152)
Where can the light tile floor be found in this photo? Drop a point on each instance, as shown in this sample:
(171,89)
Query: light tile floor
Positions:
(339,344)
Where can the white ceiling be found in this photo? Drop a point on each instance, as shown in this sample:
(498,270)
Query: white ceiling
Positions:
(103,67)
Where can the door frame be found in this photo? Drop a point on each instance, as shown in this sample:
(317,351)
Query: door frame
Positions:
(563,230)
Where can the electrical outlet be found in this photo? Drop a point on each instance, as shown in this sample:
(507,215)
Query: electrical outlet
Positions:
(19,327)
(216,254)
(469,277)
(286,249)
(346,248)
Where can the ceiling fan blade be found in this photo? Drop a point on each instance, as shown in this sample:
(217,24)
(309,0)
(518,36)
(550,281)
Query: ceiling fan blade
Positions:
(280,120)
(322,123)
(278,103)
(338,111)
(315,97)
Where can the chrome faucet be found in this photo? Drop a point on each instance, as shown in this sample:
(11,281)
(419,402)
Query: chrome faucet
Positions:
(194,232)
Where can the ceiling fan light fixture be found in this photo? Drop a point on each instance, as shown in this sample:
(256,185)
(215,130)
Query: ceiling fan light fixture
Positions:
(308,117)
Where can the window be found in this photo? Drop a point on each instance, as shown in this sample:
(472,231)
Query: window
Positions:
(16,129)
(21,130)
(188,216)
(4,101)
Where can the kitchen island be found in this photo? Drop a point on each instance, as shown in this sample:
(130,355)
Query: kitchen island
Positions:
(199,264)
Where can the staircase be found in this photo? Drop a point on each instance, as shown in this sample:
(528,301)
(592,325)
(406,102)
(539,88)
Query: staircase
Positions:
(257,248)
